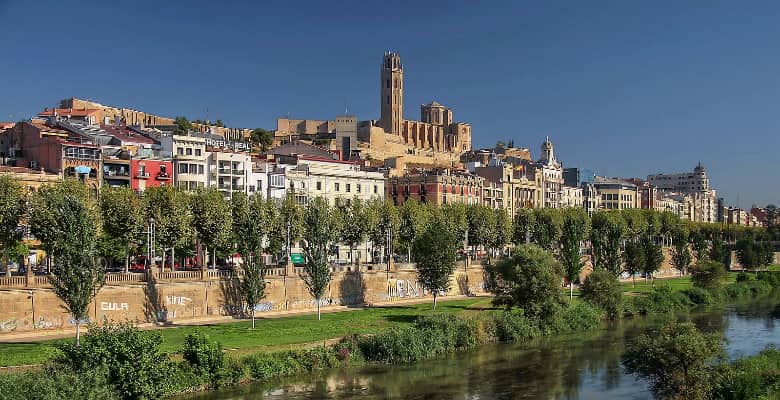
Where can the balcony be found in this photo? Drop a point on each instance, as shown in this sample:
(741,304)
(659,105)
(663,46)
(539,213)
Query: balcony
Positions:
(238,188)
(163,177)
(224,186)
(238,172)
(222,171)
(142,175)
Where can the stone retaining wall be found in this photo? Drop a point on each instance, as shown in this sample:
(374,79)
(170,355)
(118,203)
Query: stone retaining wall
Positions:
(33,308)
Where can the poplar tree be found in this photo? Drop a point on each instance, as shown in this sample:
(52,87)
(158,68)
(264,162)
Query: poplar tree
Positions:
(12,209)
(434,251)
(318,238)
(576,226)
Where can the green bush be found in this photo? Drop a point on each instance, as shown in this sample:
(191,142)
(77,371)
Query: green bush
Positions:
(514,326)
(664,300)
(700,296)
(60,384)
(602,289)
(770,277)
(262,366)
(208,361)
(131,359)
(455,333)
(755,377)
(743,277)
(348,352)
(708,275)
(745,290)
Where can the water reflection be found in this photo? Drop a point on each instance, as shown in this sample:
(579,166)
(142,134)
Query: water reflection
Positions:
(583,366)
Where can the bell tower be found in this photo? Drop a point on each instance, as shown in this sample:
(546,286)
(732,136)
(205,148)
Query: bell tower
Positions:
(392,93)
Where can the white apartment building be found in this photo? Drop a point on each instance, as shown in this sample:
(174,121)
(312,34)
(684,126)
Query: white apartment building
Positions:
(190,160)
(571,197)
(229,170)
(335,180)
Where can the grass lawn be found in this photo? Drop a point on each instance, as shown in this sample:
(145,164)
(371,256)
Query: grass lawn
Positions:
(272,333)
(677,283)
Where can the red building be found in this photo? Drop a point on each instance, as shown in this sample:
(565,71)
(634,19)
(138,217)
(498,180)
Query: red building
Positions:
(436,187)
(150,172)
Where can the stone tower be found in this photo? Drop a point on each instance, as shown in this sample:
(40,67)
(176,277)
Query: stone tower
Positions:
(548,152)
(392,93)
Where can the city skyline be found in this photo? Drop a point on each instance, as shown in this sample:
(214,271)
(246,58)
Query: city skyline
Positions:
(614,92)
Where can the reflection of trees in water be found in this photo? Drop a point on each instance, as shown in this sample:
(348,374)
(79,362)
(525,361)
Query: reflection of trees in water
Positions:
(557,368)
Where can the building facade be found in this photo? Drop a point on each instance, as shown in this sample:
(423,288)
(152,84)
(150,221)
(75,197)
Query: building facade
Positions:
(436,187)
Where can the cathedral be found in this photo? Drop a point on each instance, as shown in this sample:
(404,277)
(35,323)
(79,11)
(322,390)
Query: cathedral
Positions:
(435,139)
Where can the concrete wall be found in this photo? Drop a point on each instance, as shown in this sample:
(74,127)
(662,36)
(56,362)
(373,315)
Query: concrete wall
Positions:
(26,309)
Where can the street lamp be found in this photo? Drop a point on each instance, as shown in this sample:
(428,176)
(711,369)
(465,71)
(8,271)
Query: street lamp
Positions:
(150,234)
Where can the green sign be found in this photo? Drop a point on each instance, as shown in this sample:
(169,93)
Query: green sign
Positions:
(297,258)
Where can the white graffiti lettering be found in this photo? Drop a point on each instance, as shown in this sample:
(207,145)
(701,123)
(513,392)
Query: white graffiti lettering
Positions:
(108,306)
(177,300)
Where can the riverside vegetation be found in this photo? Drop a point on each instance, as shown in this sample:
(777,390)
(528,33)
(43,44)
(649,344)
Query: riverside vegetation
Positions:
(121,362)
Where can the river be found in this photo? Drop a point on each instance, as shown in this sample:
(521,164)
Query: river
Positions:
(584,366)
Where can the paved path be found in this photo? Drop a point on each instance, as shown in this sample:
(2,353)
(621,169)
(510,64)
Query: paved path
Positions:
(49,334)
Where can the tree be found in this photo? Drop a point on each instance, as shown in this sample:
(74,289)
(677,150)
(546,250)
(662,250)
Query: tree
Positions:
(524,221)
(434,251)
(262,137)
(250,226)
(717,249)
(677,360)
(212,219)
(290,227)
(547,227)
(681,256)
(123,218)
(45,209)
(414,221)
(219,123)
(603,289)
(503,231)
(634,259)
(12,209)
(754,252)
(708,274)
(169,207)
(388,223)
(318,238)
(576,227)
(456,216)
(182,126)
(606,236)
(699,244)
(654,257)
(529,279)
(359,222)
(482,225)
(252,282)
(77,275)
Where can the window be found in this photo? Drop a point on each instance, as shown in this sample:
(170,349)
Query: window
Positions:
(180,151)
(348,187)
(319,185)
(388,99)
(388,83)
(183,168)
(336,186)
(197,152)
(357,188)
(375,189)
(189,151)
(200,170)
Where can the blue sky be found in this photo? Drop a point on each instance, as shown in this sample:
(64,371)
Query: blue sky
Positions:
(625,88)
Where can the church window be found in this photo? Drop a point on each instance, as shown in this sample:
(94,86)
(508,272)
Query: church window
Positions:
(388,83)
(388,99)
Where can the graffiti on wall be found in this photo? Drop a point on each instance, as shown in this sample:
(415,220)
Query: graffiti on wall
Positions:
(8,325)
(109,306)
(42,323)
(401,288)
(177,300)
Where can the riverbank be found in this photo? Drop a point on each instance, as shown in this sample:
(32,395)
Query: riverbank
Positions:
(282,331)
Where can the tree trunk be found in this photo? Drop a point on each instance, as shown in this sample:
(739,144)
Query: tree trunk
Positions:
(78,333)
(633,280)
(214,258)
(571,290)
(319,316)
(434,300)
(127,259)
(173,258)
(7,265)
(253,318)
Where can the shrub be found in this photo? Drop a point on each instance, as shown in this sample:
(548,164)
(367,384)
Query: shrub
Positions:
(698,295)
(131,359)
(772,278)
(602,289)
(347,350)
(514,326)
(209,362)
(57,384)
(743,277)
(262,366)
(578,317)
(744,290)
(752,377)
(664,300)
(531,280)
(708,275)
